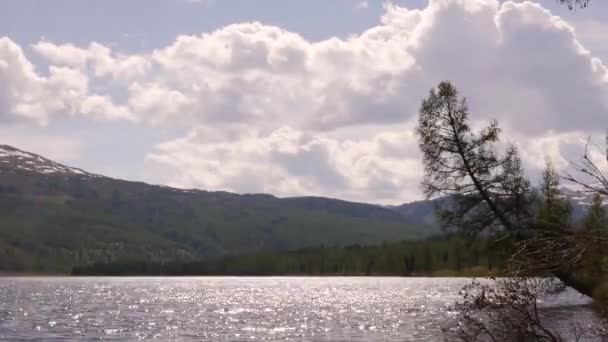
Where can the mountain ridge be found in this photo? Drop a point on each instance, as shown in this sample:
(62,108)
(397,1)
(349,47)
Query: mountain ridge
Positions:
(42,165)
(28,161)
(55,216)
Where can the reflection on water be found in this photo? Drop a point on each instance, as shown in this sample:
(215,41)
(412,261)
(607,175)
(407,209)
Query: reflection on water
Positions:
(239,308)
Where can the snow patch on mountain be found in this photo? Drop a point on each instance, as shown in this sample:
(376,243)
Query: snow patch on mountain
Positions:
(13,159)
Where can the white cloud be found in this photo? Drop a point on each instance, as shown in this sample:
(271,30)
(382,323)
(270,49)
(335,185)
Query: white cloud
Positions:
(563,150)
(65,91)
(272,108)
(97,60)
(159,102)
(560,148)
(362,5)
(288,162)
(592,33)
(257,73)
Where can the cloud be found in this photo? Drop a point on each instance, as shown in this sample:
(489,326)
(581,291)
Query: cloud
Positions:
(289,162)
(563,150)
(270,108)
(64,91)
(362,5)
(592,33)
(382,167)
(257,73)
(96,60)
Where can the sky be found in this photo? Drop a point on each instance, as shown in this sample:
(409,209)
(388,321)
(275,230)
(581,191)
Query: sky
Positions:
(316,97)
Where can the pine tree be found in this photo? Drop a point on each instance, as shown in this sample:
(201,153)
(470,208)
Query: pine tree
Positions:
(596,223)
(596,219)
(555,211)
(485,190)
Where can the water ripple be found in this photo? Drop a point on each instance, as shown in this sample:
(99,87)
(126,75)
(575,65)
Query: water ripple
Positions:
(232,309)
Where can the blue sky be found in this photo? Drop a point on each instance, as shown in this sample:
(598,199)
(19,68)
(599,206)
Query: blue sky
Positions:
(320,98)
(134,25)
(137,24)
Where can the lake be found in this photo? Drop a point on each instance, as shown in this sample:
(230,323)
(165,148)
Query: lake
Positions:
(240,308)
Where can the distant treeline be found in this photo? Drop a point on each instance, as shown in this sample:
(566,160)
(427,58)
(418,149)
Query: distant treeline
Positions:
(446,256)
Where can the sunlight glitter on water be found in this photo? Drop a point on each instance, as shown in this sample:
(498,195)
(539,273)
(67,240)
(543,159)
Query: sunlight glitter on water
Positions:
(233,308)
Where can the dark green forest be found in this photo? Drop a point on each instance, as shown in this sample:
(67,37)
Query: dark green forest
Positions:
(97,225)
(437,256)
(52,222)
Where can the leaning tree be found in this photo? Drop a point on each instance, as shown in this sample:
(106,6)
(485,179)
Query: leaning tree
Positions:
(487,190)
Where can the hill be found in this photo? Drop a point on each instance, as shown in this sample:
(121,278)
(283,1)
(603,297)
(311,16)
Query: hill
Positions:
(55,216)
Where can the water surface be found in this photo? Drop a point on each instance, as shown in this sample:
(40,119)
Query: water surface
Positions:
(239,308)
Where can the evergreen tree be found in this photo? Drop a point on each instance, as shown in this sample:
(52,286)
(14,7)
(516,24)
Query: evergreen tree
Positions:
(596,223)
(596,219)
(485,190)
(555,211)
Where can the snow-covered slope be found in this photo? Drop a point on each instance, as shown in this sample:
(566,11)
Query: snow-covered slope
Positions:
(15,160)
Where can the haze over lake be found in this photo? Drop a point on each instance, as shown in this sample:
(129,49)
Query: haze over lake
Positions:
(241,308)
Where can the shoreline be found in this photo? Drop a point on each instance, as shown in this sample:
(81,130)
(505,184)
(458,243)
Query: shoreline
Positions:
(135,275)
(4,274)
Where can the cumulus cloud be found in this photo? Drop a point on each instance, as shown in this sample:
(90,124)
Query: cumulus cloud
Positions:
(288,162)
(26,94)
(592,33)
(259,73)
(268,103)
(97,60)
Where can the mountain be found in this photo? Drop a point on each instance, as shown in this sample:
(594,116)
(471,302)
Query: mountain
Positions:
(54,216)
(421,212)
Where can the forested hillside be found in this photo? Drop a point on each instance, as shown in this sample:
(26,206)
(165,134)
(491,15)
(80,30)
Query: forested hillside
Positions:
(441,256)
(54,217)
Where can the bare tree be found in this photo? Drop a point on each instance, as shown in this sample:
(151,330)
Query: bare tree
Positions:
(575,254)
(508,310)
(588,173)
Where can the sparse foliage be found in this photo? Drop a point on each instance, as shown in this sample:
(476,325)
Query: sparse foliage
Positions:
(596,220)
(508,310)
(486,190)
(588,173)
(596,224)
(574,255)
(572,4)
